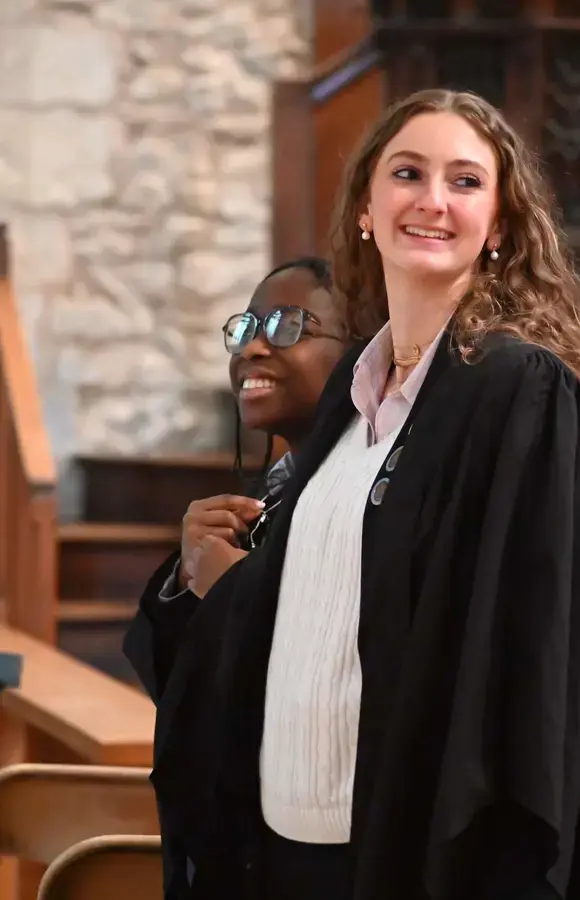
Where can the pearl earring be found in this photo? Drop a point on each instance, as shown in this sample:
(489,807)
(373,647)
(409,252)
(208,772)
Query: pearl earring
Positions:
(365,234)
(494,255)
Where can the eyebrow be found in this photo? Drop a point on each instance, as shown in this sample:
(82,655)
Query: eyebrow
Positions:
(412,154)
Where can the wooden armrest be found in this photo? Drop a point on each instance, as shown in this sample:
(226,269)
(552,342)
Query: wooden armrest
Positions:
(101,719)
(113,867)
(48,808)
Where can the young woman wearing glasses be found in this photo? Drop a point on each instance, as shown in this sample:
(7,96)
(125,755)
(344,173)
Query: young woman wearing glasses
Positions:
(282,349)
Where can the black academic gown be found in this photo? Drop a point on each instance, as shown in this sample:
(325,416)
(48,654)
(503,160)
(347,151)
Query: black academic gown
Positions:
(467,781)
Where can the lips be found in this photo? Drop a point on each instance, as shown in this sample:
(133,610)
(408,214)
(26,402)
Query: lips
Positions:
(436,234)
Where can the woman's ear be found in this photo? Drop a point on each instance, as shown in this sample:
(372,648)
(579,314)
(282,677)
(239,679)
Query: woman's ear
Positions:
(366,221)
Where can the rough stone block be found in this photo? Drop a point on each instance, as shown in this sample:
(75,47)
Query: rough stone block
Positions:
(70,159)
(42,250)
(70,62)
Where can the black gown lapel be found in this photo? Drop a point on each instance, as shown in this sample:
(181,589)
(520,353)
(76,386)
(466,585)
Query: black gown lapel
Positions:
(389,534)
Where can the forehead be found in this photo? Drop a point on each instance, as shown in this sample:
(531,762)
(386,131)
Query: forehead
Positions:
(442,138)
(291,287)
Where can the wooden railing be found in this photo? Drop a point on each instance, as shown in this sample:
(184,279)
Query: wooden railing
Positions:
(27,481)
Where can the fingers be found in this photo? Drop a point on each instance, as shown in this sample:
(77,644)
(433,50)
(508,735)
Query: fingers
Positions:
(225,516)
(233,502)
(190,564)
(210,519)
(210,543)
(204,567)
(193,535)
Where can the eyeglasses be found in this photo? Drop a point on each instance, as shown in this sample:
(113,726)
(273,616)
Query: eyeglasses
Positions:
(282,327)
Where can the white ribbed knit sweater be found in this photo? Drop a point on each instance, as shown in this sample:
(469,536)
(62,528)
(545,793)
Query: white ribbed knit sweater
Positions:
(314,678)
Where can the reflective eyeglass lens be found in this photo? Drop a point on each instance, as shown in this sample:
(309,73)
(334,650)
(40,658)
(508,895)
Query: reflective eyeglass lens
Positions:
(239,331)
(284,327)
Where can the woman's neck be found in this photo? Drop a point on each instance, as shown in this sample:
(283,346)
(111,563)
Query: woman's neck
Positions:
(417,313)
(294,439)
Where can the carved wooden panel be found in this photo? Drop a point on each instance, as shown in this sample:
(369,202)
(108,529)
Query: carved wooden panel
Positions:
(561,129)
(466,61)
(474,62)
(566,8)
(428,9)
(500,9)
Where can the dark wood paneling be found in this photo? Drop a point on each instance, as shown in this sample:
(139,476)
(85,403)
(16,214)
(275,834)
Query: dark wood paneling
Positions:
(103,571)
(99,644)
(149,490)
(560,144)
(524,101)
(100,562)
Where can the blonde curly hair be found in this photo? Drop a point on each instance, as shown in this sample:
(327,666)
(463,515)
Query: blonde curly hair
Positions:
(531,291)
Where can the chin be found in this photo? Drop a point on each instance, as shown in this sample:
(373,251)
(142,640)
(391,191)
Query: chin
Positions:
(258,420)
(437,263)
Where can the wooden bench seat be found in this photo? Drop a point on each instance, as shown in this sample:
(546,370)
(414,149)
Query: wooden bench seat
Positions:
(45,809)
(112,866)
(98,718)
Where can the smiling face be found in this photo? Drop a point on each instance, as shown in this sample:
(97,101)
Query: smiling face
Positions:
(433,203)
(278,388)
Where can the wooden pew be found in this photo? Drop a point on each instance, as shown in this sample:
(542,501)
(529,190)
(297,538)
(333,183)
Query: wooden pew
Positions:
(115,867)
(66,709)
(66,712)
(45,808)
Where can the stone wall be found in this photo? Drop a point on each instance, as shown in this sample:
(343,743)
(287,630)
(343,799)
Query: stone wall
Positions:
(135,174)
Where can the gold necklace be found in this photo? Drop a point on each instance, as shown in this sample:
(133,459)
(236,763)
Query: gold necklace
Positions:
(405,362)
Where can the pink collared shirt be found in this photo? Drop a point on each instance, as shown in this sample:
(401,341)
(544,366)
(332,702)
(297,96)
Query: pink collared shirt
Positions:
(387,415)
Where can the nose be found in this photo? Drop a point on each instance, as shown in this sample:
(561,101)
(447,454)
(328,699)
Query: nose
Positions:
(258,348)
(433,197)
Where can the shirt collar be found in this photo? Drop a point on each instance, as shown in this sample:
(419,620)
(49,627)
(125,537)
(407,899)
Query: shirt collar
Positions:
(279,474)
(378,355)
